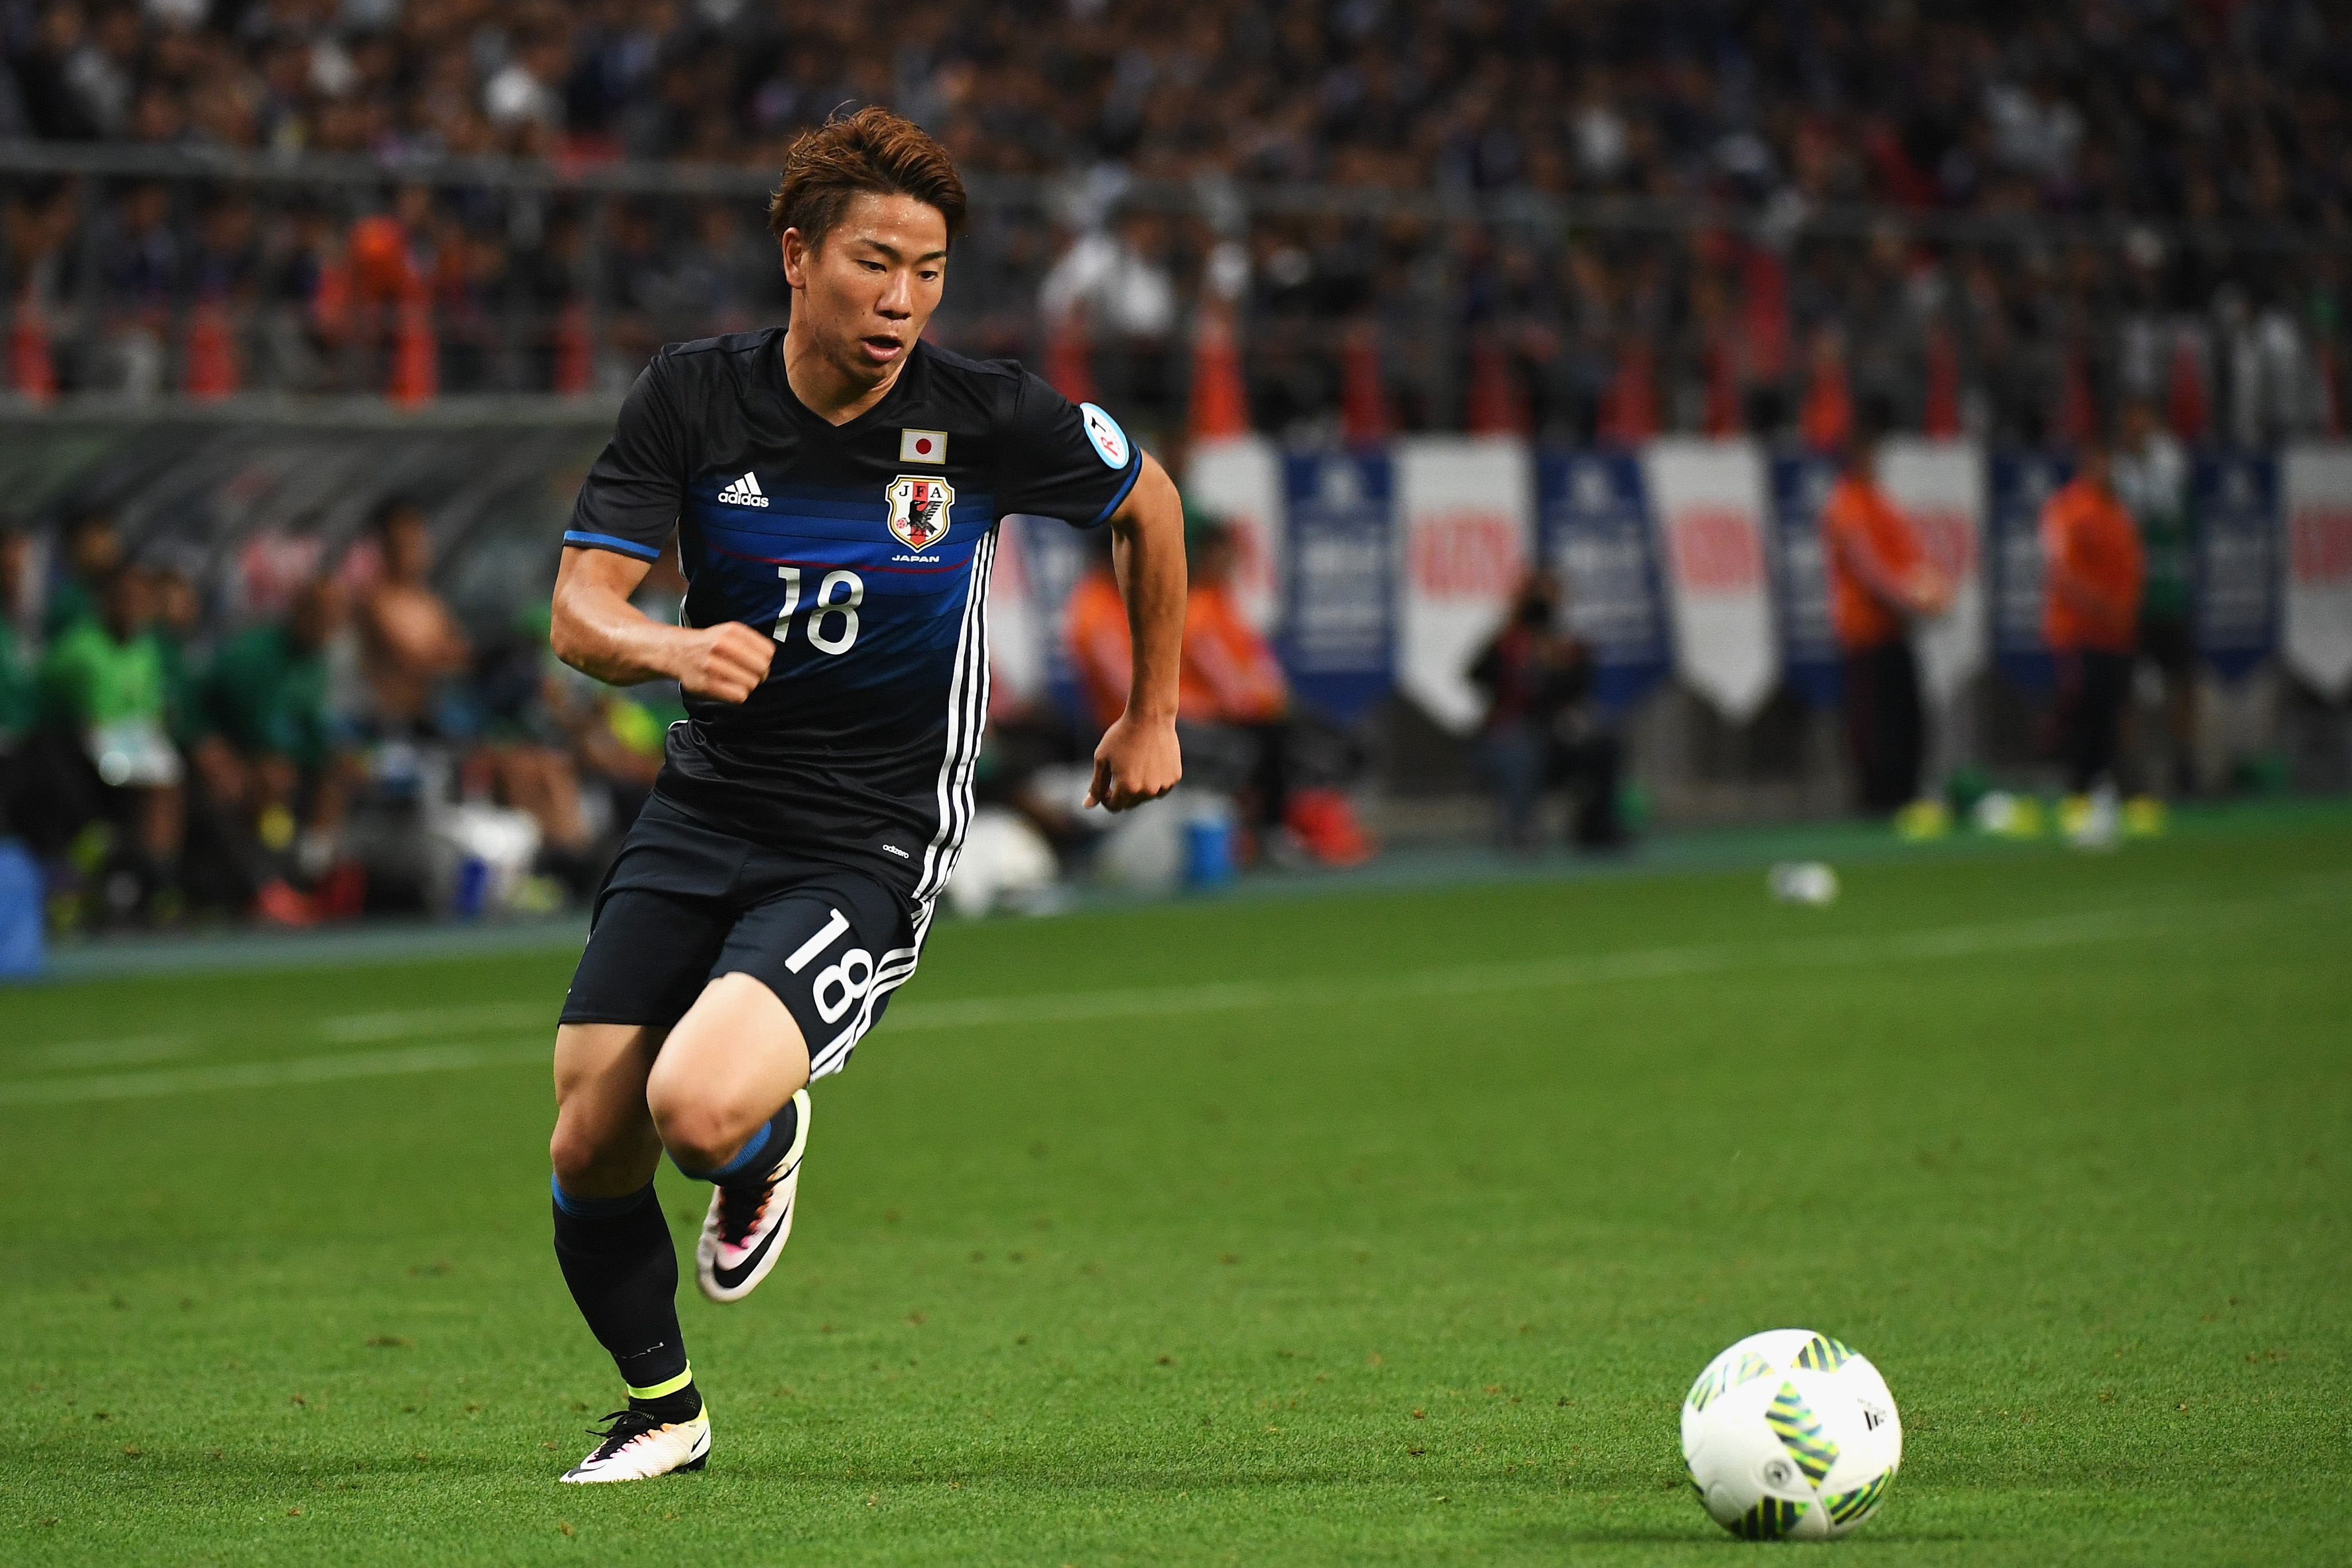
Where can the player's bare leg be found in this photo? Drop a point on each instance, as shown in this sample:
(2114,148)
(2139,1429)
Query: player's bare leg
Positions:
(615,1251)
(728,1095)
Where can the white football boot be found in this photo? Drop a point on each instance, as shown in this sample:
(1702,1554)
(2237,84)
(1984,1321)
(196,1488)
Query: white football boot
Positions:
(745,1231)
(637,1447)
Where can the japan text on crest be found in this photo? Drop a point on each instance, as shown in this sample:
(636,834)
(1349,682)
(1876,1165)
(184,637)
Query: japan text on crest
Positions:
(918,509)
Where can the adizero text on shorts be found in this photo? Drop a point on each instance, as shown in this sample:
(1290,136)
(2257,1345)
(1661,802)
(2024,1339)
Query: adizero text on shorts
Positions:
(686,903)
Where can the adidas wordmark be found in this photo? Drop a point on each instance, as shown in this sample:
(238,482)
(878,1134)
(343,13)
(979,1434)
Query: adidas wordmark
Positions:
(744,491)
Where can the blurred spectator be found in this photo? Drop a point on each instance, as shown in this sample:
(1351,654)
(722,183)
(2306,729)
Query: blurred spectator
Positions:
(1233,705)
(2151,481)
(269,754)
(1880,581)
(2093,570)
(19,694)
(1230,683)
(1114,290)
(1101,643)
(410,643)
(110,762)
(89,553)
(1537,731)
(179,632)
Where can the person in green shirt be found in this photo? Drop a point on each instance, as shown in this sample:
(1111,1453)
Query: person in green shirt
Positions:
(102,691)
(90,551)
(2151,479)
(267,745)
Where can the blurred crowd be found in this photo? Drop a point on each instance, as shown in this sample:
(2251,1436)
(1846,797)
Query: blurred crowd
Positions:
(2191,108)
(2207,134)
(340,744)
(191,737)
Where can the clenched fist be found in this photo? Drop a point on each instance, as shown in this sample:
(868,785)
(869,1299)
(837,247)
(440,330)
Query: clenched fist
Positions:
(725,663)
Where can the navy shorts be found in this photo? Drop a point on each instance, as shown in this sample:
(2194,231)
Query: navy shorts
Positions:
(685,903)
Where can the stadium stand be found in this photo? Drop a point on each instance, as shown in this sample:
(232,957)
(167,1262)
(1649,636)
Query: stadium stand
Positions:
(1580,217)
(358,254)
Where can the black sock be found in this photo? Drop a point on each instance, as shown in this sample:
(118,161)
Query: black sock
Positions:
(618,1259)
(751,1163)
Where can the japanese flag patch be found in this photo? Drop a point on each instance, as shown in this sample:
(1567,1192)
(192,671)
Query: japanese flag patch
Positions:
(922,446)
(1103,433)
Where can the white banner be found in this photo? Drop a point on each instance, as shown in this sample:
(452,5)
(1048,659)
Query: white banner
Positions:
(1939,486)
(2315,627)
(1240,480)
(1017,624)
(1465,509)
(1706,503)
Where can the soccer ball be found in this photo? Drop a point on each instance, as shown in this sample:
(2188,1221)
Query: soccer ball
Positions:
(1788,1433)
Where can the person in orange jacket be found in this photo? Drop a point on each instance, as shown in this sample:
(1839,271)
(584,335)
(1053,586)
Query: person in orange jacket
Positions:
(1095,626)
(1231,685)
(1880,581)
(2093,570)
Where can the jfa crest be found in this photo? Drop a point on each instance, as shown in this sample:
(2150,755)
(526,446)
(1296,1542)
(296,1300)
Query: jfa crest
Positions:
(918,509)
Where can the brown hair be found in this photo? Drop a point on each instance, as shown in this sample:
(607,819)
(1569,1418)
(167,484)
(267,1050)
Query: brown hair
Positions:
(872,150)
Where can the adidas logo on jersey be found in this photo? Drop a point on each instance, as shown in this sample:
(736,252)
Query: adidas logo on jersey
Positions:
(744,491)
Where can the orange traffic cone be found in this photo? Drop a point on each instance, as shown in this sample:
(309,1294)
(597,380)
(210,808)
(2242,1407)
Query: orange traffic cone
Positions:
(575,353)
(2078,408)
(1827,419)
(1220,403)
(416,356)
(1631,415)
(211,361)
(32,372)
(1496,404)
(1363,401)
(2331,395)
(1722,389)
(1069,364)
(2185,406)
(1942,417)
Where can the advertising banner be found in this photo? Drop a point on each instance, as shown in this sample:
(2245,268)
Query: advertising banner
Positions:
(1708,502)
(1018,632)
(2316,622)
(1338,639)
(1593,535)
(2020,482)
(2233,509)
(1240,480)
(1809,655)
(1464,507)
(1941,487)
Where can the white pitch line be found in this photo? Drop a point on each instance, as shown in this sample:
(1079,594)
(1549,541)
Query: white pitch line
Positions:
(2040,934)
(356,1028)
(272,1074)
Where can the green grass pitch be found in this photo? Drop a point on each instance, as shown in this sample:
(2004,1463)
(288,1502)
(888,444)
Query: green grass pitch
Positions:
(1374,1228)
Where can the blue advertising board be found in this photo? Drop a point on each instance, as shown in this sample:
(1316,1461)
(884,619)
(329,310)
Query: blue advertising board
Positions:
(1809,655)
(1339,620)
(2234,522)
(1593,535)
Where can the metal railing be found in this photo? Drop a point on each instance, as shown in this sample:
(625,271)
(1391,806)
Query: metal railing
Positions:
(1366,305)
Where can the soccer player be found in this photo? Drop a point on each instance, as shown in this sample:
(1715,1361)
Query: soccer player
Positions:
(834,488)
(2093,569)
(1880,581)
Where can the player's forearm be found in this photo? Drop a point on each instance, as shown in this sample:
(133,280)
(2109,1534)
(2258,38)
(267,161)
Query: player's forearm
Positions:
(1149,552)
(597,632)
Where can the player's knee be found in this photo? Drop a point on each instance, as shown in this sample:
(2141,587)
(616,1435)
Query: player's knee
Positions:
(699,1134)
(572,1155)
(580,1157)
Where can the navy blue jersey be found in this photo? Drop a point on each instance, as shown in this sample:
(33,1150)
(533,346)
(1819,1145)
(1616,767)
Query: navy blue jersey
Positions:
(865,548)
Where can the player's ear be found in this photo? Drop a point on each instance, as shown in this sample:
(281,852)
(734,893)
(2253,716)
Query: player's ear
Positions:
(793,250)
